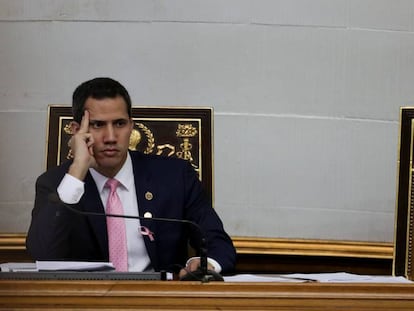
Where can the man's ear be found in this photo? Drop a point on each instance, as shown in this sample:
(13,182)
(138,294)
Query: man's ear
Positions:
(74,127)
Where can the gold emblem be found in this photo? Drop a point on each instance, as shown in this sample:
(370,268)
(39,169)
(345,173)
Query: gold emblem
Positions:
(186,131)
(136,138)
(148,196)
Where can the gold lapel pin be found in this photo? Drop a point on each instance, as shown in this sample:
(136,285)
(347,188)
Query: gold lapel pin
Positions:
(149,196)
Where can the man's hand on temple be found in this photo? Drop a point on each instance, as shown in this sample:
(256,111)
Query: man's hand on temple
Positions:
(81,144)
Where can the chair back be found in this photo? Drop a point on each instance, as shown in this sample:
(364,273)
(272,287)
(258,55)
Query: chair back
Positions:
(404,211)
(182,132)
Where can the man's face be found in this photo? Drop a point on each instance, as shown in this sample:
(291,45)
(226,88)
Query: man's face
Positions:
(111,128)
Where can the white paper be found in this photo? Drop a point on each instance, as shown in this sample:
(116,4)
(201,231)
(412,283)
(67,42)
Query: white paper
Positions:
(73,266)
(344,277)
(337,277)
(265,278)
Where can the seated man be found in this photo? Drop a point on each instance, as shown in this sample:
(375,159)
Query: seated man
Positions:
(104,176)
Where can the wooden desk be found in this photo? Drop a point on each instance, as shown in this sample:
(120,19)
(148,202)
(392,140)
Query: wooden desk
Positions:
(171,295)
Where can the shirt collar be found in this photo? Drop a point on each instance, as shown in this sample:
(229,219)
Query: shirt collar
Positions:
(125,176)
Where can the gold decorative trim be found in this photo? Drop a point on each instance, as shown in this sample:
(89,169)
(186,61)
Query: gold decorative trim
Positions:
(12,241)
(409,241)
(270,246)
(309,247)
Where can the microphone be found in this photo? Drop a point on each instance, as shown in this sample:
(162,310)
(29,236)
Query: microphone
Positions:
(202,273)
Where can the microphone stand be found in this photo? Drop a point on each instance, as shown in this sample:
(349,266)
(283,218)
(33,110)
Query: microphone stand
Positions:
(202,273)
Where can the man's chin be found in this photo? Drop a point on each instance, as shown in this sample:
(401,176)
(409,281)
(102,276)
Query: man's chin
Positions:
(107,165)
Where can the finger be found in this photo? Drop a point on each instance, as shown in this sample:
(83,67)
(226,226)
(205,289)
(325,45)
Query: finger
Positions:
(193,264)
(84,127)
(91,151)
(89,140)
(182,273)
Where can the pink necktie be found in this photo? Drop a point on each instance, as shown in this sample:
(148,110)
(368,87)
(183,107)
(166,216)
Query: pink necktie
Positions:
(116,229)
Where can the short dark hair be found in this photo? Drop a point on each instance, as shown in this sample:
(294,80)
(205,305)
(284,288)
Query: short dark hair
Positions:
(97,88)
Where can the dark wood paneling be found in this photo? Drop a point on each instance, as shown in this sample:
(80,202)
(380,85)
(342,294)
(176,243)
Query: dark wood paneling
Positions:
(256,263)
(182,132)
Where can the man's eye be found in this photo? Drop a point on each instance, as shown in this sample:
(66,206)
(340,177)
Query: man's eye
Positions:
(121,123)
(96,125)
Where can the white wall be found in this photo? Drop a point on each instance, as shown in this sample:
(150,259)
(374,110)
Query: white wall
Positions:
(306,92)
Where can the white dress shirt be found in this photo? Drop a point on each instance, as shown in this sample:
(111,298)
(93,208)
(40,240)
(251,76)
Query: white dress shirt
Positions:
(71,190)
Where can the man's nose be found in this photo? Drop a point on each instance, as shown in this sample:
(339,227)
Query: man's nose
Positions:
(110,133)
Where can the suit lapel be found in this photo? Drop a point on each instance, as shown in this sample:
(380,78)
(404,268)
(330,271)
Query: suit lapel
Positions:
(146,192)
(91,202)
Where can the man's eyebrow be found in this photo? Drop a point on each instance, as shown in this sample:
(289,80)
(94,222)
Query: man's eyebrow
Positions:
(93,121)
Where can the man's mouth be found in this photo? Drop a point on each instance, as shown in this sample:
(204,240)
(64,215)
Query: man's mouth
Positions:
(110,151)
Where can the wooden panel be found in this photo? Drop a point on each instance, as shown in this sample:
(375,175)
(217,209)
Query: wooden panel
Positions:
(261,255)
(13,248)
(270,255)
(172,295)
(404,219)
(310,247)
(258,263)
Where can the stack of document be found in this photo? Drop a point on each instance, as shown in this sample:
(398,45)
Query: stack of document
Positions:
(18,267)
(56,266)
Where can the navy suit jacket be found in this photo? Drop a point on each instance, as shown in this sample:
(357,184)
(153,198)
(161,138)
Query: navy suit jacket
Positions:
(56,233)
